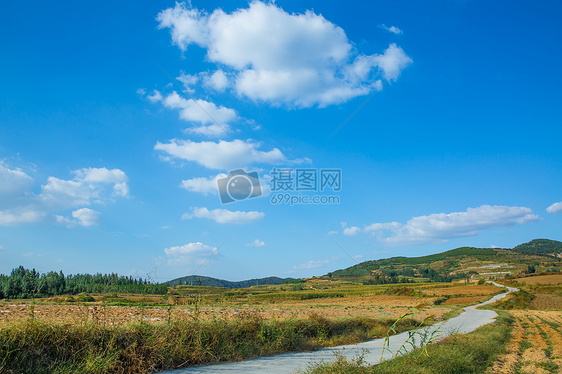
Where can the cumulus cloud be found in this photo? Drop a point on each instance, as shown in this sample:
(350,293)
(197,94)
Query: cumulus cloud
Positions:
(555,208)
(217,81)
(205,186)
(81,217)
(273,56)
(351,231)
(392,29)
(222,155)
(89,186)
(256,243)
(438,228)
(204,113)
(14,183)
(190,251)
(225,216)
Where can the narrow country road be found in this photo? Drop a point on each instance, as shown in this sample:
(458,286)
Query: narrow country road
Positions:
(288,363)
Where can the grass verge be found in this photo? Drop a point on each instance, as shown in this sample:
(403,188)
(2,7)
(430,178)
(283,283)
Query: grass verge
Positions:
(33,346)
(461,353)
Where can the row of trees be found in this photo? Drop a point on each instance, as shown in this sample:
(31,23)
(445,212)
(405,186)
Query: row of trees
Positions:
(23,283)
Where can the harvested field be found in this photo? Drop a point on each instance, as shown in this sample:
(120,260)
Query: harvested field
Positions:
(546,302)
(465,300)
(535,346)
(471,290)
(553,279)
(373,306)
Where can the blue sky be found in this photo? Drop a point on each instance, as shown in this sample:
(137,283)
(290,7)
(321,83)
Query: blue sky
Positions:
(116,120)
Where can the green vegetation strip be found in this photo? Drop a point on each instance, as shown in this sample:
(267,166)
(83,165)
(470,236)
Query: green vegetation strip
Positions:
(33,346)
(462,353)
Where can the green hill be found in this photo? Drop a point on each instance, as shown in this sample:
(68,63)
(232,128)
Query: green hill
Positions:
(459,263)
(541,246)
(195,280)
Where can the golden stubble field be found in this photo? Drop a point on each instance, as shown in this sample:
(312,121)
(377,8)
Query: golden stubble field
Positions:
(535,346)
(379,306)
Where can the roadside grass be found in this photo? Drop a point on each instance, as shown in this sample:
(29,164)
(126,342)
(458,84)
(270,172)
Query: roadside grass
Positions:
(461,353)
(34,346)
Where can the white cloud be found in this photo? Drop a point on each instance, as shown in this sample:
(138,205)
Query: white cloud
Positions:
(333,232)
(155,97)
(100,175)
(81,217)
(203,185)
(555,208)
(13,183)
(188,81)
(225,216)
(256,243)
(193,251)
(312,264)
(351,231)
(299,60)
(392,62)
(210,131)
(438,228)
(62,194)
(217,81)
(21,216)
(89,186)
(392,29)
(223,155)
(1,248)
(201,111)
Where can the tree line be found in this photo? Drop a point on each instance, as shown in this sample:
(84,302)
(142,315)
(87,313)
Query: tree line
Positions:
(23,283)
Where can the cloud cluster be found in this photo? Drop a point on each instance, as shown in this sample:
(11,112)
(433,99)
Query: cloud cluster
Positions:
(222,155)
(191,252)
(555,208)
(438,228)
(272,56)
(19,205)
(210,120)
(224,215)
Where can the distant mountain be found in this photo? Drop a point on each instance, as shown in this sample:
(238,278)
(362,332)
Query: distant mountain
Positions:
(460,263)
(541,246)
(195,280)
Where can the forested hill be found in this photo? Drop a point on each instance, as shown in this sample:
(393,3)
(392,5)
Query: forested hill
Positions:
(540,255)
(195,280)
(541,246)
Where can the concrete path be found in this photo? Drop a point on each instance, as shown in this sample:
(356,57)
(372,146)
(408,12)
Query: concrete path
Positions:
(288,363)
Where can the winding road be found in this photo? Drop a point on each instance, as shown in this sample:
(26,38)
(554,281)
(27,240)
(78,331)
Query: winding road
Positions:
(467,321)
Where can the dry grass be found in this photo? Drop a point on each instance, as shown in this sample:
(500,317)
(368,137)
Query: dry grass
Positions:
(552,279)
(470,290)
(546,302)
